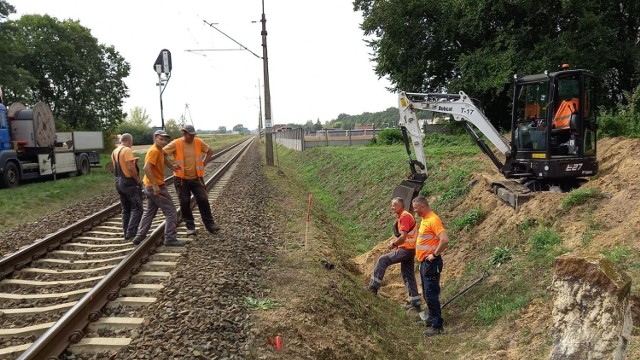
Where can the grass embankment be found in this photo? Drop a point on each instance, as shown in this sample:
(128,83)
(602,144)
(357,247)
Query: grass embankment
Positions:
(508,312)
(34,199)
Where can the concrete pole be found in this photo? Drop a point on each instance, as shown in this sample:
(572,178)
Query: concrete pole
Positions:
(267,93)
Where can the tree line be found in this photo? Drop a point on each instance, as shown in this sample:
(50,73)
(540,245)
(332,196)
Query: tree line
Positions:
(62,64)
(477,46)
(420,46)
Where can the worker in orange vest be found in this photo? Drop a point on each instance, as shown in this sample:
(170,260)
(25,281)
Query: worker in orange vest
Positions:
(403,248)
(191,155)
(128,185)
(561,120)
(432,242)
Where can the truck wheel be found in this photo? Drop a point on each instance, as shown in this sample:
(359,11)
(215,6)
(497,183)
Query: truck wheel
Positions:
(84,167)
(11,176)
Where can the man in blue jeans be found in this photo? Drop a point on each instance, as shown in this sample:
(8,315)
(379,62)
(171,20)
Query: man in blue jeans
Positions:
(432,242)
(191,155)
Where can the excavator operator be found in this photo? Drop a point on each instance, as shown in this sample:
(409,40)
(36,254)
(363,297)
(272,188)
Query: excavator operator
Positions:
(563,115)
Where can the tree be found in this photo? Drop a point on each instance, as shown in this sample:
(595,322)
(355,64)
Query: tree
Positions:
(13,78)
(139,116)
(79,78)
(6,9)
(173,128)
(317,126)
(449,45)
(137,124)
(222,129)
(238,128)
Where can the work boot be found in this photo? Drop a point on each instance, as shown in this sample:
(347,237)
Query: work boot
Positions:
(174,243)
(413,312)
(212,228)
(409,305)
(370,289)
(432,331)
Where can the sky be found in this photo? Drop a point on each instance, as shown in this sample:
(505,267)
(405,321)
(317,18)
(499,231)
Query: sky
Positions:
(319,64)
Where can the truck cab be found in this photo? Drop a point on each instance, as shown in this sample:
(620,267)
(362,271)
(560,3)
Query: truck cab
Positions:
(5,142)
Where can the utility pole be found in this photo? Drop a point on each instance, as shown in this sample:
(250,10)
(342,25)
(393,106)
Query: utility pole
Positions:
(259,114)
(267,93)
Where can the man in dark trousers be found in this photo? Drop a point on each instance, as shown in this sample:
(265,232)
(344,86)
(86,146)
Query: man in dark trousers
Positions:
(432,242)
(191,155)
(128,185)
(157,195)
(403,251)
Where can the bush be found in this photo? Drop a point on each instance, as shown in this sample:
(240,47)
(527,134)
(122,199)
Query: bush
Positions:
(624,120)
(448,140)
(389,137)
(142,135)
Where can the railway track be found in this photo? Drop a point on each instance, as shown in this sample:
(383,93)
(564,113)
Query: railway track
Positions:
(77,289)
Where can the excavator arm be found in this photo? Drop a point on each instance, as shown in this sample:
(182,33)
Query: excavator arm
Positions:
(461,108)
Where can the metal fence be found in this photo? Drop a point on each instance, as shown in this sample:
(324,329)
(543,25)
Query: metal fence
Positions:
(299,139)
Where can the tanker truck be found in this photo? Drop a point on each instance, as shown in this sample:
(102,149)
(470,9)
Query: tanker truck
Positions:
(30,148)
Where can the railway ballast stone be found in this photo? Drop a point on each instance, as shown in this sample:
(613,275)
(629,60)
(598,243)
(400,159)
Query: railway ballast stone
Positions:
(592,308)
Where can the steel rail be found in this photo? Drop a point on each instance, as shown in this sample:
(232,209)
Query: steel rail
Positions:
(69,329)
(21,258)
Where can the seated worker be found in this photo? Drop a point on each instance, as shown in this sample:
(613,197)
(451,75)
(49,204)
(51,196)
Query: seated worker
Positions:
(563,115)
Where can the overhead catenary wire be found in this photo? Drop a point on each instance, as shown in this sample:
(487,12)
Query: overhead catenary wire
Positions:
(232,39)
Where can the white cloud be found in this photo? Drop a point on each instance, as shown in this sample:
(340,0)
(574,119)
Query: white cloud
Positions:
(318,62)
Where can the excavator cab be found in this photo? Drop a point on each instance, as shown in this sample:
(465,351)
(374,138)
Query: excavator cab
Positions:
(553,129)
(552,144)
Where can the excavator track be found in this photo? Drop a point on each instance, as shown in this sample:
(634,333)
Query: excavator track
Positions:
(511,192)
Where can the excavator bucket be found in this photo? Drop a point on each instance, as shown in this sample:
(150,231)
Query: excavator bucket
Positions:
(407,191)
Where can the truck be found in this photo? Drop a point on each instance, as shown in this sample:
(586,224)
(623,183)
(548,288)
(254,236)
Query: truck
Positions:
(551,145)
(30,147)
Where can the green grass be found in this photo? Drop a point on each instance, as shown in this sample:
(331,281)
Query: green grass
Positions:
(264,304)
(468,219)
(543,239)
(497,307)
(619,254)
(32,200)
(354,184)
(579,197)
(501,255)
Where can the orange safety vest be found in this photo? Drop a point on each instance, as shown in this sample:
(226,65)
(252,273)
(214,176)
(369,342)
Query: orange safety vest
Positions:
(178,158)
(410,240)
(563,115)
(428,239)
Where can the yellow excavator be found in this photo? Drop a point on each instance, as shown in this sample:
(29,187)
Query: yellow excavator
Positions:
(552,145)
